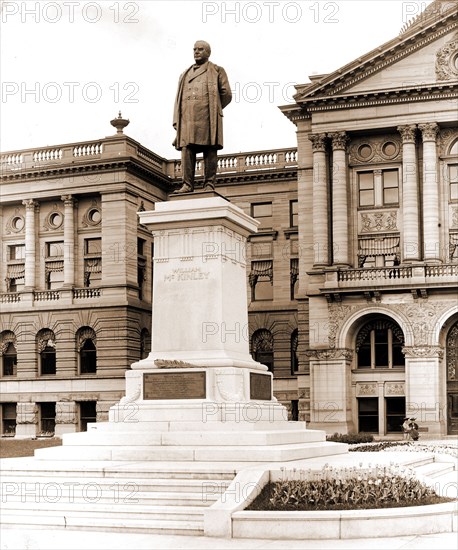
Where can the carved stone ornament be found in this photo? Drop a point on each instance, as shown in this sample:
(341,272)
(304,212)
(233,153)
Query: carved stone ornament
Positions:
(339,140)
(369,389)
(93,215)
(6,338)
(318,142)
(426,351)
(173,364)
(378,221)
(27,413)
(45,338)
(133,396)
(454,217)
(336,315)
(396,389)
(66,412)
(54,220)
(408,133)
(447,60)
(15,223)
(86,333)
(327,354)
(429,131)
(230,392)
(374,151)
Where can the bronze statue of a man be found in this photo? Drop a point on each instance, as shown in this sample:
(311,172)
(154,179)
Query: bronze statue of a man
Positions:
(203,92)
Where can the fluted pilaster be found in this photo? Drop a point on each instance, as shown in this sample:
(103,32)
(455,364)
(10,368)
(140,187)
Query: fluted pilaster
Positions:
(339,200)
(69,241)
(410,205)
(31,207)
(431,218)
(320,201)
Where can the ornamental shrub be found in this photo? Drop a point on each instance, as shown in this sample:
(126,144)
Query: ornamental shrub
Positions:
(350,438)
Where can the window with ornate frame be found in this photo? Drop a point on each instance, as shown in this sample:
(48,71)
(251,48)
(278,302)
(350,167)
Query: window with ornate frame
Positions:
(262,348)
(261,280)
(87,350)
(379,344)
(8,353)
(46,342)
(92,262)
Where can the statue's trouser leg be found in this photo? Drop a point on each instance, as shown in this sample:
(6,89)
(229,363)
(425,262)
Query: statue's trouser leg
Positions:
(188,165)
(211,165)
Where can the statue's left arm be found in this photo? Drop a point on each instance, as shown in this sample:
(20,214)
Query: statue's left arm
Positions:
(224,88)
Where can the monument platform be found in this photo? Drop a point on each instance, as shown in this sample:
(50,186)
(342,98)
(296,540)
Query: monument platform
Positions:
(197,411)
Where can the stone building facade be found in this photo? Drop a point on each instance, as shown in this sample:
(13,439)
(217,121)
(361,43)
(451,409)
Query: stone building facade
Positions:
(351,278)
(378,234)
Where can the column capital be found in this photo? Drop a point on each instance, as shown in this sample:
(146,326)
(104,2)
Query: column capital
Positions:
(339,140)
(429,131)
(318,142)
(68,200)
(408,133)
(31,204)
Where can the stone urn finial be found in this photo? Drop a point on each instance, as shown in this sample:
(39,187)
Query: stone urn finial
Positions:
(119,123)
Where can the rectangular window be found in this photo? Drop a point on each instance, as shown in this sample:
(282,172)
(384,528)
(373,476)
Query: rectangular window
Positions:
(47,418)
(395,408)
(366,189)
(263,213)
(261,280)
(16,252)
(9,419)
(92,262)
(88,414)
(390,187)
(453,179)
(93,247)
(55,249)
(293,213)
(368,414)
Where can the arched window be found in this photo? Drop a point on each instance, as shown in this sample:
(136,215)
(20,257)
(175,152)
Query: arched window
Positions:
(8,353)
(87,342)
(262,348)
(145,343)
(294,356)
(46,342)
(379,345)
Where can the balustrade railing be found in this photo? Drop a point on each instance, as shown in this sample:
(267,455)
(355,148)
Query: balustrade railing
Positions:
(84,293)
(375,274)
(10,298)
(113,147)
(444,270)
(46,295)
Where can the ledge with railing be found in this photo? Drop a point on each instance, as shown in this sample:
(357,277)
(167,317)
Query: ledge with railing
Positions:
(121,146)
(396,276)
(51,295)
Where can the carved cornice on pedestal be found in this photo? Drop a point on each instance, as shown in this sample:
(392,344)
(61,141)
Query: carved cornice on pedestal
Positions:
(330,353)
(423,352)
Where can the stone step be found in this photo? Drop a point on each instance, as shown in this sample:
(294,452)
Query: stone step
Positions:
(239,453)
(104,510)
(210,425)
(25,467)
(195,439)
(435,469)
(10,483)
(115,524)
(92,494)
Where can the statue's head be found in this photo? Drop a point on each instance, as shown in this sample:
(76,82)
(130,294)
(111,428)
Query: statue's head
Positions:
(202,51)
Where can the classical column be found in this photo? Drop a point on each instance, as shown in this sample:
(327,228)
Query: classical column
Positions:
(410,206)
(431,238)
(320,201)
(339,200)
(69,241)
(31,207)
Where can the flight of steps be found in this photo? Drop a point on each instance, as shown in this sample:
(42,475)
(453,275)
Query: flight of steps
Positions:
(107,497)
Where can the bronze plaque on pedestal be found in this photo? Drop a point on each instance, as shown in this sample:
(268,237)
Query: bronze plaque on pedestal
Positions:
(260,387)
(174,385)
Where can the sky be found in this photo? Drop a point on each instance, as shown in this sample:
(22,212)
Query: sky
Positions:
(68,67)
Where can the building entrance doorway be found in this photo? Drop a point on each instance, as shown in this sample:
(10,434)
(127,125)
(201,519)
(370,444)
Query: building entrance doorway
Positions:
(452,380)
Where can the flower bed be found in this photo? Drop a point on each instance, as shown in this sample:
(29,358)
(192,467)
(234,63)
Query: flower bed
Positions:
(409,446)
(346,489)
